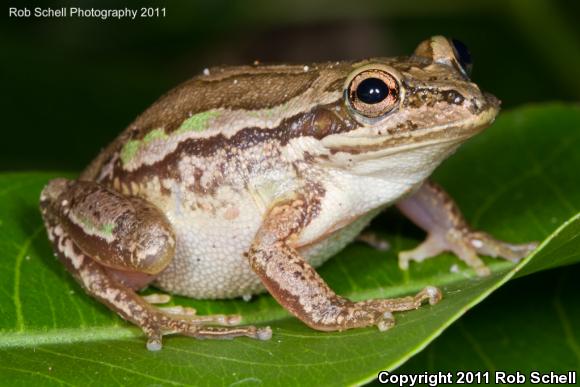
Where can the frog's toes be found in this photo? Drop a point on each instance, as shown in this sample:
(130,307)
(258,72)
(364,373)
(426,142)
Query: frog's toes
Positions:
(162,324)
(178,310)
(374,240)
(431,247)
(190,314)
(384,308)
(157,298)
(430,293)
(485,244)
(467,245)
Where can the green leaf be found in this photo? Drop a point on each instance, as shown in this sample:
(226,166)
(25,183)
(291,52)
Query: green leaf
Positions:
(518,180)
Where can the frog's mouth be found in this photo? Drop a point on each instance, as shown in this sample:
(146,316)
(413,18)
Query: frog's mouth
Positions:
(373,140)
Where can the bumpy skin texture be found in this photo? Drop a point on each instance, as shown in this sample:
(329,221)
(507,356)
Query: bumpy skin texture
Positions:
(249,177)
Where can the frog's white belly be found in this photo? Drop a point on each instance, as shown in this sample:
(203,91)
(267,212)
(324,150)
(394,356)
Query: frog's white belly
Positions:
(209,261)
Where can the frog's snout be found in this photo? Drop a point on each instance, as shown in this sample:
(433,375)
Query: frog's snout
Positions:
(487,103)
(492,100)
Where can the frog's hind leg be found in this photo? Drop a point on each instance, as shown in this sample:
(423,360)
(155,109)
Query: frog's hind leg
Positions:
(153,321)
(87,243)
(432,209)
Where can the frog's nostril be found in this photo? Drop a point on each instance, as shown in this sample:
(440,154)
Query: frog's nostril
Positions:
(492,100)
(476,105)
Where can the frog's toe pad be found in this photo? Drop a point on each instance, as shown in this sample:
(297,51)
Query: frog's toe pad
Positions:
(157,298)
(386,322)
(154,345)
(264,333)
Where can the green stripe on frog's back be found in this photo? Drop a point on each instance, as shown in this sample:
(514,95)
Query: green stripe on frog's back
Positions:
(196,123)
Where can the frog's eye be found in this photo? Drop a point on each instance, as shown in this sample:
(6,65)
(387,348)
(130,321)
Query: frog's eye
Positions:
(373,93)
(462,56)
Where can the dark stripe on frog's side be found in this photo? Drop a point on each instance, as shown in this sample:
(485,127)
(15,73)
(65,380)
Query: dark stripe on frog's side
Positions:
(318,123)
(234,92)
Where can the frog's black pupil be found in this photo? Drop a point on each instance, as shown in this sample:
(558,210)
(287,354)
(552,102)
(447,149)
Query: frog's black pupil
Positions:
(463,55)
(372,90)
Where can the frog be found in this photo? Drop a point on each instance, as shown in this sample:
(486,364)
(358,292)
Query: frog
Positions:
(245,179)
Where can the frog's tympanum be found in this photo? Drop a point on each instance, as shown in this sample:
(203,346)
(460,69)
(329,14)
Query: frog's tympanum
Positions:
(247,178)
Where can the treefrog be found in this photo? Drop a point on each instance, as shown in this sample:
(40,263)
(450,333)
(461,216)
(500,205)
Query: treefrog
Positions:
(245,179)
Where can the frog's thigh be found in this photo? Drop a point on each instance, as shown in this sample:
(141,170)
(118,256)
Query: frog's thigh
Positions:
(123,233)
(432,209)
(89,253)
(299,288)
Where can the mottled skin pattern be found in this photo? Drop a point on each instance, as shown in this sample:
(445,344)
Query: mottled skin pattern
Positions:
(249,177)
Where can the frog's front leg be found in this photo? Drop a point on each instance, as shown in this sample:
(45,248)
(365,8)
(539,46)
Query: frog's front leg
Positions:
(113,244)
(432,209)
(299,288)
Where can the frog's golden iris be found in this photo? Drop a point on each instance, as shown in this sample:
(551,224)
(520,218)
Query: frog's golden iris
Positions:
(373,92)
